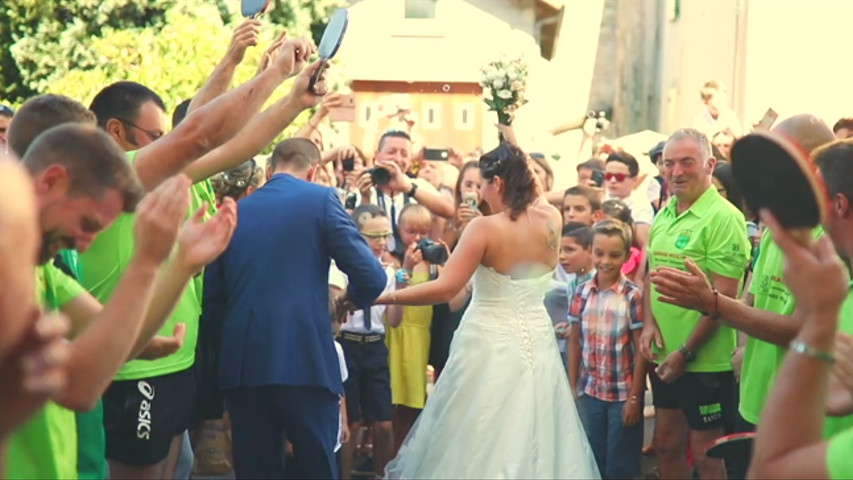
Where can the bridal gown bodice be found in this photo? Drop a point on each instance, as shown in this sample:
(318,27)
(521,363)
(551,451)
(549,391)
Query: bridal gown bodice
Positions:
(502,406)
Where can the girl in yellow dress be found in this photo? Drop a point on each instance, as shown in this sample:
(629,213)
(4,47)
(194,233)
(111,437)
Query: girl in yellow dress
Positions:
(408,342)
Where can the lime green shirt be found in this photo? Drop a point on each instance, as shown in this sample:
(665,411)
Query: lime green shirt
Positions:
(103,265)
(46,446)
(713,233)
(839,461)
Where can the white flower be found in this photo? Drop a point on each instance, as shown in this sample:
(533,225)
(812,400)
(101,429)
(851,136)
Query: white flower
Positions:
(498,84)
(517,85)
(505,94)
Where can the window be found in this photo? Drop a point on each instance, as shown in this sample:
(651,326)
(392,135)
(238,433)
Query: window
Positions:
(464,117)
(432,116)
(420,8)
(366,114)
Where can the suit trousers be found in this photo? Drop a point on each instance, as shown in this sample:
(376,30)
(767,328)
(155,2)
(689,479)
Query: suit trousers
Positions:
(263,417)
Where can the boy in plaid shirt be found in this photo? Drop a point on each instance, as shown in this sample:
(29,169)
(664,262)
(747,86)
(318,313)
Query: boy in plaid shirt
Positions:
(606,317)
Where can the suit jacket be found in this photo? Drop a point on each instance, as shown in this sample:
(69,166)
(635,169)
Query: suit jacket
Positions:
(269,290)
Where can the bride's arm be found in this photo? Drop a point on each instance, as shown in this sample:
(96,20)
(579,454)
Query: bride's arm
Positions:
(459,268)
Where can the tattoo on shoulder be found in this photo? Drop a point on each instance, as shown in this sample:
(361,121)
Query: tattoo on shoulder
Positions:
(553,235)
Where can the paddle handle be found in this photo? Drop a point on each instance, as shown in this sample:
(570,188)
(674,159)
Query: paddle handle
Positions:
(316,78)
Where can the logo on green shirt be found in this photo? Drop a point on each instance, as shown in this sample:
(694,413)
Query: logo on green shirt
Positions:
(683,239)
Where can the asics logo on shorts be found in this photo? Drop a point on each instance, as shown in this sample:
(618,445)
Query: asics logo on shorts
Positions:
(143,428)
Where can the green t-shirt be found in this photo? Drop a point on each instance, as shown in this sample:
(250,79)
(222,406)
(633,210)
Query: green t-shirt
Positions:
(46,446)
(839,461)
(761,359)
(713,233)
(103,265)
(202,192)
(834,425)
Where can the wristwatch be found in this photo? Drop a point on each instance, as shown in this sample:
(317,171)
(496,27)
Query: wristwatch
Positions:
(687,354)
(413,190)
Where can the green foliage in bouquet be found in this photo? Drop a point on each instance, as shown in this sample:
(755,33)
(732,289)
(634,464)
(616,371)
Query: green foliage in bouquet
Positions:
(504,82)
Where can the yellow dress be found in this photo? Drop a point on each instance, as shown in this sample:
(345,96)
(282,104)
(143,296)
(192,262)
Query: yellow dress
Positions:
(408,352)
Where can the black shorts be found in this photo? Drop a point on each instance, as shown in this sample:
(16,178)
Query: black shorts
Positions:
(142,417)
(368,386)
(706,399)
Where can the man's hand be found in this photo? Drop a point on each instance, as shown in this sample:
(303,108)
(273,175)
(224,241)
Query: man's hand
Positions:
(399,181)
(291,57)
(651,333)
(672,368)
(815,275)
(300,91)
(158,218)
(690,289)
(631,413)
(201,242)
(34,371)
(737,362)
(272,52)
(364,183)
(244,37)
(161,347)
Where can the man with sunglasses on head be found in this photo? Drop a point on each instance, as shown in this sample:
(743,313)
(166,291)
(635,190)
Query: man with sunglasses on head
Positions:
(6,114)
(621,172)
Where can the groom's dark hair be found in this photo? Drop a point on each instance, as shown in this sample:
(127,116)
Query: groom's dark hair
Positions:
(297,153)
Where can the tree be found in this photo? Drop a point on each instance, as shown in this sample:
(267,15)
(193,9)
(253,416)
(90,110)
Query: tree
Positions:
(75,47)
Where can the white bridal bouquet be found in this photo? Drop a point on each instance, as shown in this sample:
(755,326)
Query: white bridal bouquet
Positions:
(504,82)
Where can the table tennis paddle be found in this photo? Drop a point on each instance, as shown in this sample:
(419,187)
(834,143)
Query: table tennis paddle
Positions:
(774,173)
(729,447)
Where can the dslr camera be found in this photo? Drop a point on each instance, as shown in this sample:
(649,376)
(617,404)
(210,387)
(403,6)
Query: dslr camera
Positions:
(432,252)
(379,176)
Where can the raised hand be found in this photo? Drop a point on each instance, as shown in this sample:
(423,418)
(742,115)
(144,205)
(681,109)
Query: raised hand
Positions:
(330,101)
(34,371)
(159,217)
(399,181)
(245,36)
(291,57)
(305,97)
(201,242)
(690,289)
(412,257)
(270,55)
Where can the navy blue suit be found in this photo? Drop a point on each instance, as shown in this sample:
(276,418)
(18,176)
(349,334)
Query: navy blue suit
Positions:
(269,291)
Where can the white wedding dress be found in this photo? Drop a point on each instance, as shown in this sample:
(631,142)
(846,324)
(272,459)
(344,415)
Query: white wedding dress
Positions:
(502,406)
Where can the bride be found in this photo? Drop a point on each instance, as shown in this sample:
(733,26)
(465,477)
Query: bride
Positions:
(502,406)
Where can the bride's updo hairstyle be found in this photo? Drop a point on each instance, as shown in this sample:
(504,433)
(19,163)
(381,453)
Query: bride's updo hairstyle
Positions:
(510,164)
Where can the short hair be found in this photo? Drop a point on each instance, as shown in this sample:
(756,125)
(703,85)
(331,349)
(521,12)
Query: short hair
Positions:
(180,113)
(626,159)
(41,113)
(580,233)
(846,122)
(393,134)
(587,192)
(592,164)
(365,212)
(700,138)
(615,228)
(94,161)
(414,211)
(122,100)
(615,208)
(300,153)
(710,88)
(835,162)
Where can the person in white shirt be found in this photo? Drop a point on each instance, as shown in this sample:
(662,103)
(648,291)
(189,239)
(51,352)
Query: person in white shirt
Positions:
(620,174)
(716,116)
(362,336)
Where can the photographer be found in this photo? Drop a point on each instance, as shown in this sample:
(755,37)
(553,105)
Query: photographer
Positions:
(389,186)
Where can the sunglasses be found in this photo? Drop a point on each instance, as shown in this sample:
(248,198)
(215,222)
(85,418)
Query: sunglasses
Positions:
(377,235)
(6,110)
(619,177)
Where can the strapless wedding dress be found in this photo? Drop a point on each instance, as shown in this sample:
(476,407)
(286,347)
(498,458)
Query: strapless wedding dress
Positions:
(502,406)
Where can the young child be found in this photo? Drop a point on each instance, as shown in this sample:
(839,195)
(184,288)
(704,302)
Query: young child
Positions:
(576,260)
(634,267)
(409,342)
(368,388)
(581,204)
(605,365)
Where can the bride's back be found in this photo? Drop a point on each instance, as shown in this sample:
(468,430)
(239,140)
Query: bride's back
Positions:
(522,241)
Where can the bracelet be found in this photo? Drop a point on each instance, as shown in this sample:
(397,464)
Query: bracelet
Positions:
(715,315)
(635,399)
(803,349)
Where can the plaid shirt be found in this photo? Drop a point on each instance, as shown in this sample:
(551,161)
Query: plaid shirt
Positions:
(607,319)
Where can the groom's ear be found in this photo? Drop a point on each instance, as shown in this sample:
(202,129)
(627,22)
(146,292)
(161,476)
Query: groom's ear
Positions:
(312,172)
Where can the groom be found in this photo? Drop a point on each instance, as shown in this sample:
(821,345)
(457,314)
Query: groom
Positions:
(269,291)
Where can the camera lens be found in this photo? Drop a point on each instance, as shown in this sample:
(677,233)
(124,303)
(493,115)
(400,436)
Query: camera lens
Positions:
(380,176)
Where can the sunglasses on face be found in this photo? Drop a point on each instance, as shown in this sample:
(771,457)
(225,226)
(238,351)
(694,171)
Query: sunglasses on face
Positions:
(6,110)
(619,177)
(377,235)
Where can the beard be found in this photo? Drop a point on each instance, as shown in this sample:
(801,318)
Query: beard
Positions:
(51,244)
